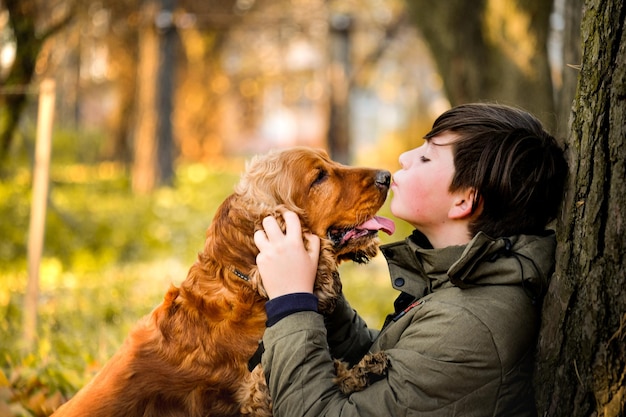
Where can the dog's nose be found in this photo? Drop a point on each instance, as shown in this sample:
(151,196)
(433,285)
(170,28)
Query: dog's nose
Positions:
(383,179)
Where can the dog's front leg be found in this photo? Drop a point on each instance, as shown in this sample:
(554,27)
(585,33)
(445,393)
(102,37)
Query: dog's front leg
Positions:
(370,369)
(254,395)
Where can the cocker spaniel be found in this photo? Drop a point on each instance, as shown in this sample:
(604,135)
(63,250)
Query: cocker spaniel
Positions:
(190,356)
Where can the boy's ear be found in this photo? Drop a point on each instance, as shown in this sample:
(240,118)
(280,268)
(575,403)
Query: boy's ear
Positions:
(462,205)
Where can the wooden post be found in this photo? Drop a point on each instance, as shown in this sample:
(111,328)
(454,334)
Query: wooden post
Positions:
(38,206)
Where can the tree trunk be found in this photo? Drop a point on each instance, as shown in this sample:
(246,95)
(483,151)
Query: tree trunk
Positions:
(22,18)
(144,171)
(125,48)
(29,37)
(339,110)
(581,368)
(165,91)
(154,155)
(491,51)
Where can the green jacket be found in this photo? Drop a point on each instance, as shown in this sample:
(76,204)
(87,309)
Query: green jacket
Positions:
(464,348)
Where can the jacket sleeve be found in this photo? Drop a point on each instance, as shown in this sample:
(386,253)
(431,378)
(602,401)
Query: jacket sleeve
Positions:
(432,368)
(349,338)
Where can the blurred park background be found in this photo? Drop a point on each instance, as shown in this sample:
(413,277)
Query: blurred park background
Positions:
(157,105)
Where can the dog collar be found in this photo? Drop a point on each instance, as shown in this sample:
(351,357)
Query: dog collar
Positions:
(240,274)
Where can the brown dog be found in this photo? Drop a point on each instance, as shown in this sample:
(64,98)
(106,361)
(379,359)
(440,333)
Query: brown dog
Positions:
(189,357)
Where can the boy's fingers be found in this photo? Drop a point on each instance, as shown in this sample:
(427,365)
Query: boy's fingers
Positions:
(272,232)
(313,245)
(292,224)
(260,239)
(271,227)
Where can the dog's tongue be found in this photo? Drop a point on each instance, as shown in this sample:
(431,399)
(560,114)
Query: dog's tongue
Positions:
(379,223)
(374,224)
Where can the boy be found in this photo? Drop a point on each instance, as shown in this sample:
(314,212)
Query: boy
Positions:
(480,192)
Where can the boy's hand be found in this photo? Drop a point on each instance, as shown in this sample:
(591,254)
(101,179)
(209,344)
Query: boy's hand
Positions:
(285,265)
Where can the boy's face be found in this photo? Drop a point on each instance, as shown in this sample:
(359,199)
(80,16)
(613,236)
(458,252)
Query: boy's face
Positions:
(420,187)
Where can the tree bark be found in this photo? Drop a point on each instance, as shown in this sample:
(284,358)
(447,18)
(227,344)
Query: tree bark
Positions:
(491,51)
(581,363)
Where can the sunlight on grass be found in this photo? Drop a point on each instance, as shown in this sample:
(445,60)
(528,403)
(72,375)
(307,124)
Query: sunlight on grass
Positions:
(368,289)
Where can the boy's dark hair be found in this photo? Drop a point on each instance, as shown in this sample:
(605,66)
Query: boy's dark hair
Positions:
(516,168)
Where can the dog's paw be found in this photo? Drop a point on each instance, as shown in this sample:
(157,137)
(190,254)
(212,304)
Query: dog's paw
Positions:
(254,395)
(370,369)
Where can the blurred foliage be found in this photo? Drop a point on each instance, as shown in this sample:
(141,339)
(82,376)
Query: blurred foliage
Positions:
(108,259)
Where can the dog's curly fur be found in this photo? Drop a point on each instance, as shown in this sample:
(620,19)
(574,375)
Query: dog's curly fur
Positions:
(189,357)
(371,368)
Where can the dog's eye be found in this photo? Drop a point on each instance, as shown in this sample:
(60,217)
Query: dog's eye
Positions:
(322,174)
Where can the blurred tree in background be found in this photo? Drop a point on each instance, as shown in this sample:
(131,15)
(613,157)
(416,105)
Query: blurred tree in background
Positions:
(247,75)
(491,50)
(30,31)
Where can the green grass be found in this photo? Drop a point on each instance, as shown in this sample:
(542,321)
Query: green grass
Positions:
(109,257)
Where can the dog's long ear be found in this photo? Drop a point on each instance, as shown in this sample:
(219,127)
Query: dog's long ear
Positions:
(229,246)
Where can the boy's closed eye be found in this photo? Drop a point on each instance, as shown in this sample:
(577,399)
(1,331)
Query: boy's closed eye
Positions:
(424,159)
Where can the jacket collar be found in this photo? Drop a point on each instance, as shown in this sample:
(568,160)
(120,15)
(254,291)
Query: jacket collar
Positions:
(418,269)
